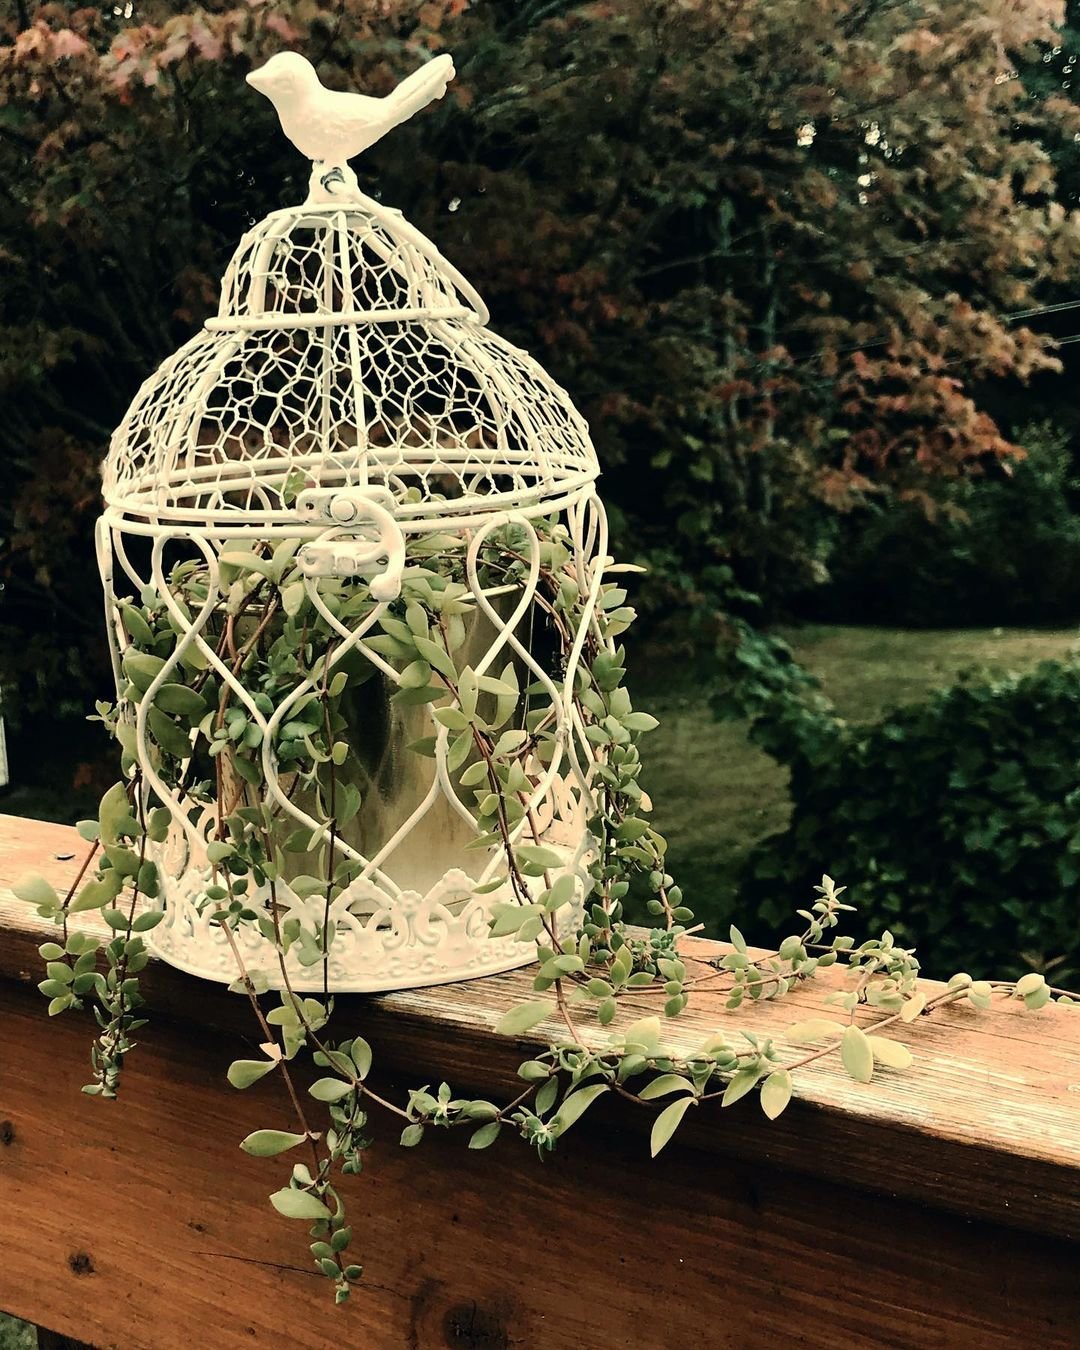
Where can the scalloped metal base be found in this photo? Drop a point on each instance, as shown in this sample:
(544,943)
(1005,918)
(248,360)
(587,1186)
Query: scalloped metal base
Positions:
(408,942)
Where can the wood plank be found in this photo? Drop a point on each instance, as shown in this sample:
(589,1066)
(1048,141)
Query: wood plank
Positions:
(984,1125)
(120,1225)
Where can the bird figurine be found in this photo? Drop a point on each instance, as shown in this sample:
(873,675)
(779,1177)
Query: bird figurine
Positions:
(330,127)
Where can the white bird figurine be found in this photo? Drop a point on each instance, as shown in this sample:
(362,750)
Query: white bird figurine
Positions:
(330,127)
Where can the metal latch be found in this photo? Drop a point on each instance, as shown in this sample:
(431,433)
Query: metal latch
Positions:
(374,546)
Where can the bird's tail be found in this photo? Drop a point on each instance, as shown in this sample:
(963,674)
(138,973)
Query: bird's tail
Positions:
(423,86)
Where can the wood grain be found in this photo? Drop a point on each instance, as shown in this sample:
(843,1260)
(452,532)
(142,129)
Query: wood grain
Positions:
(128,1225)
(924,1209)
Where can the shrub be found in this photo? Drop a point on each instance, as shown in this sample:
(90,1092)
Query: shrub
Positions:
(960,814)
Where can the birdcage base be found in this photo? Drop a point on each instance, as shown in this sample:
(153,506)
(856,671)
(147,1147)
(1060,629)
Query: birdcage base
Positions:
(409,942)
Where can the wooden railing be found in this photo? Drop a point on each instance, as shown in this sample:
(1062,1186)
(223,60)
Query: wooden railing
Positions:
(935,1207)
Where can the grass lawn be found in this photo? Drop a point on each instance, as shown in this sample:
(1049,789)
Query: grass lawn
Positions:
(714,794)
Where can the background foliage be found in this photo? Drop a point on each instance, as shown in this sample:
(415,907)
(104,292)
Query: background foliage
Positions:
(771,268)
(959,815)
(1003,548)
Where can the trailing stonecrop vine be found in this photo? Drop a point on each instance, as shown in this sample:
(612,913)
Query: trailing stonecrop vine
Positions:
(273,630)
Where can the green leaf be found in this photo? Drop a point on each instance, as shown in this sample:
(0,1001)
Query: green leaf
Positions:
(890,1053)
(141,668)
(137,628)
(268,1143)
(157,824)
(451,718)
(545,1098)
(179,699)
(294,1204)
(666,1123)
(561,893)
(467,691)
(1039,998)
(742,1082)
(640,721)
(361,1056)
(912,1007)
(292,598)
(330,1089)
(485,1135)
(436,657)
(173,739)
(348,803)
(459,751)
(248,562)
(94,895)
(645,1032)
(664,1085)
(523,1017)
(243,1072)
(813,1029)
(475,773)
(776,1093)
(416,675)
(35,890)
(411,1135)
(576,1104)
(124,861)
(114,813)
(535,855)
(857,1054)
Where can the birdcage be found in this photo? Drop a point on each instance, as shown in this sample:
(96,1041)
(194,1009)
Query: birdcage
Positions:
(353,560)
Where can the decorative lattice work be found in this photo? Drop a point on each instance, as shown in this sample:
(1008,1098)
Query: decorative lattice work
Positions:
(346,352)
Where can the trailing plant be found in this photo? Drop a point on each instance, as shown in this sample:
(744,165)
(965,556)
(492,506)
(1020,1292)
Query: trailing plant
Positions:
(274,631)
(960,815)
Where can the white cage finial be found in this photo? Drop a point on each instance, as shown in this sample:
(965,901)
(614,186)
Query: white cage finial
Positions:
(331,128)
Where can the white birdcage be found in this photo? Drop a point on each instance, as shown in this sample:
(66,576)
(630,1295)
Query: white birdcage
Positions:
(349,409)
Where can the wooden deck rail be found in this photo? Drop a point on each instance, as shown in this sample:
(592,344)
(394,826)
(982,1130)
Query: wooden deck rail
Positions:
(936,1207)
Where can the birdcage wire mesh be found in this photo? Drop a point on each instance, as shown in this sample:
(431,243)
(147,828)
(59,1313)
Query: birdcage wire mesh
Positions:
(346,350)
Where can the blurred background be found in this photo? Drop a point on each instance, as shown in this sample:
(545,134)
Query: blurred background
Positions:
(812,273)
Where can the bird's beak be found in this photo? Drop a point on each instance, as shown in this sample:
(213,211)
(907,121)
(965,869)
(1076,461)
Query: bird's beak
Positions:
(256,80)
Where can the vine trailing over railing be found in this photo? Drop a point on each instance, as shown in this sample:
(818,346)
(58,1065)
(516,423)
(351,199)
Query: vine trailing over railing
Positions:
(272,629)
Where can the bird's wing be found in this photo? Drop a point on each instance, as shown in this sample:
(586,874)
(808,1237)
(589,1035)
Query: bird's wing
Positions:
(422,87)
(351,107)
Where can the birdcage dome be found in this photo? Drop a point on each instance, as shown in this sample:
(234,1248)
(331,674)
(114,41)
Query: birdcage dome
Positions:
(346,353)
